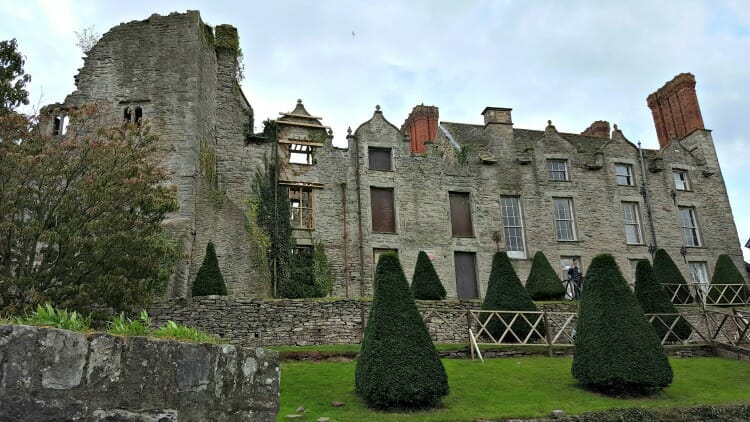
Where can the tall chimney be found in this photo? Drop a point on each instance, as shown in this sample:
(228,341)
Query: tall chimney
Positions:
(675,109)
(500,115)
(421,126)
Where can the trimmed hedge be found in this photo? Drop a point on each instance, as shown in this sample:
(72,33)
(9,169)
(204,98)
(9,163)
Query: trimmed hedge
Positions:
(653,300)
(209,280)
(398,366)
(666,272)
(725,272)
(425,284)
(543,282)
(506,293)
(616,350)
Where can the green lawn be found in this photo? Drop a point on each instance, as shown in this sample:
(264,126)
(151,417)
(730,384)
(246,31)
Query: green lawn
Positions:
(507,388)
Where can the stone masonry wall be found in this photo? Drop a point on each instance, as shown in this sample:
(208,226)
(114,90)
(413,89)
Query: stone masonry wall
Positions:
(52,375)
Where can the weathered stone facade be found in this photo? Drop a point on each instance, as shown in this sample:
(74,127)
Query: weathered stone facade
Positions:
(183,77)
(53,375)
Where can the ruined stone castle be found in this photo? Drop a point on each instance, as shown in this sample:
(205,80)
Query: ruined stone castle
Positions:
(459,191)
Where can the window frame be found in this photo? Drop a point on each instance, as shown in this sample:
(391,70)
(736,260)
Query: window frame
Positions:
(370,155)
(636,222)
(557,220)
(454,217)
(516,201)
(552,171)
(382,224)
(686,186)
(704,284)
(629,177)
(299,210)
(695,240)
(298,150)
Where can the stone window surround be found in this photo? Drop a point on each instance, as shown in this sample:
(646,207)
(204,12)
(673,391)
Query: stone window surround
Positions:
(629,175)
(470,196)
(684,184)
(571,211)
(395,208)
(635,221)
(515,254)
(696,263)
(565,171)
(381,149)
(695,228)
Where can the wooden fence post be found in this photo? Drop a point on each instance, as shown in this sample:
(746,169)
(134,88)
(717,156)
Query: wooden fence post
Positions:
(547,334)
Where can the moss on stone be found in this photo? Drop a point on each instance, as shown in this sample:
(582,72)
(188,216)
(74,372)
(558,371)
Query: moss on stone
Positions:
(226,37)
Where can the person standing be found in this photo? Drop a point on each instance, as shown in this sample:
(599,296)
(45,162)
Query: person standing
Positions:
(574,275)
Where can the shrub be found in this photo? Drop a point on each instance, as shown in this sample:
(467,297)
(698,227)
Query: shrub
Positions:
(209,280)
(398,366)
(121,325)
(666,272)
(47,316)
(505,293)
(653,300)
(543,282)
(725,272)
(175,331)
(425,284)
(309,274)
(616,350)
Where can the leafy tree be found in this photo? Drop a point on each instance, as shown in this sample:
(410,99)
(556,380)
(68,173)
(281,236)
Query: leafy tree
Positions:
(543,282)
(398,366)
(725,272)
(616,350)
(272,216)
(12,78)
(425,284)
(309,274)
(506,293)
(666,272)
(653,300)
(209,280)
(81,214)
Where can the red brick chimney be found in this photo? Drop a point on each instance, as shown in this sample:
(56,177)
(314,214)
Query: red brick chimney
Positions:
(599,128)
(421,126)
(675,109)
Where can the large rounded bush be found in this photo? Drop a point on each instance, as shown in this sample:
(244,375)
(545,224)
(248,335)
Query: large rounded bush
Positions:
(725,272)
(666,272)
(653,300)
(209,280)
(506,293)
(616,350)
(543,282)
(425,284)
(398,366)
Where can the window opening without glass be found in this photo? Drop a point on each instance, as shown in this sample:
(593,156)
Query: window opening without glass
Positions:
(301,207)
(300,154)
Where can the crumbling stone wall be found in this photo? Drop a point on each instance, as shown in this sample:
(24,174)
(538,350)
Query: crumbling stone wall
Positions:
(52,375)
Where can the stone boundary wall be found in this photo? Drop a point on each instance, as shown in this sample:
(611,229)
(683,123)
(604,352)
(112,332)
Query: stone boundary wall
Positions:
(48,374)
(301,322)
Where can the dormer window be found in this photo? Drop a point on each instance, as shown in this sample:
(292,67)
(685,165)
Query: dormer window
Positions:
(300,154)
(557,170)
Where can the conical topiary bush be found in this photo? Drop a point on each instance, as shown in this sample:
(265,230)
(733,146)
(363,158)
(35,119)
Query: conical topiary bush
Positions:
(725,272)
(209,280)
(398,366)
(653,300)
(425,284)
(616,350)
(506,293)
(666,272)
(543,282)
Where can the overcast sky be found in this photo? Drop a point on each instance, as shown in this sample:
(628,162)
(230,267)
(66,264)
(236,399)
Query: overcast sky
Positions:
(566,61)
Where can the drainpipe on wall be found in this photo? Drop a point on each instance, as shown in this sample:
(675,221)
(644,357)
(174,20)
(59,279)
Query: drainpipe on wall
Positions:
(346,243)
(359,229)
(647,202)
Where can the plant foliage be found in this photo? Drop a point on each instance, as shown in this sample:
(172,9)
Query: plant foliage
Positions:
(209,280)
(425,284)
(616,350)
(81,213)
(666,272)
(175,331)
(506,293)
(653,300)
(725,272)
(124,326)
(12,79)
(47,316)
(543,282)
(398,366)
(309,273)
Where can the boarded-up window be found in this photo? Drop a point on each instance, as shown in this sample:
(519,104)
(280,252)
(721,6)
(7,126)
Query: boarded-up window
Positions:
(466,275)
(380,158)
(383,211)
(461,214)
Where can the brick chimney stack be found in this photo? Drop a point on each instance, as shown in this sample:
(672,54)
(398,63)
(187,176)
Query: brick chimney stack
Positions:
(599,128)
(421,126)
(675,109)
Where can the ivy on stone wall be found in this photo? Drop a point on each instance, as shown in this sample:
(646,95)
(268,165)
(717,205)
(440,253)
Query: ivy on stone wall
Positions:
(208,35)
(207,163)
(309,273)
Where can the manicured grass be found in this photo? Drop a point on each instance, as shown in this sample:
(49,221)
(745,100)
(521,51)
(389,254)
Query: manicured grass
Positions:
(507,388)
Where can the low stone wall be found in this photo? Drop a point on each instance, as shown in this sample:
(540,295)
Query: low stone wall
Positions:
(253,322)
(53,375)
